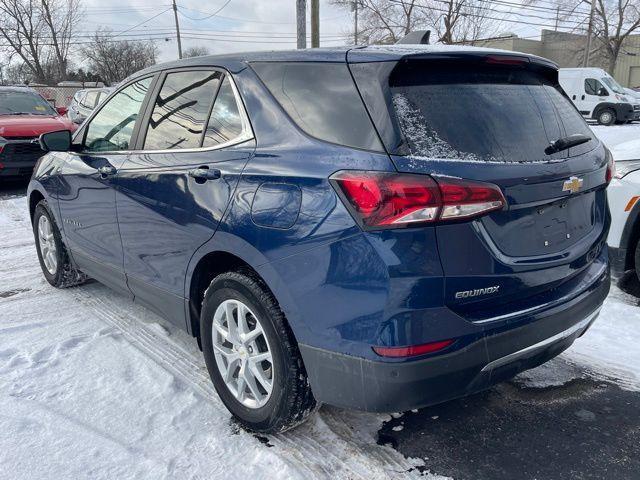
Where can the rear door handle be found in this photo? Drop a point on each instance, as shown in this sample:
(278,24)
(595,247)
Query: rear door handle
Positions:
(107,170)
(205,173)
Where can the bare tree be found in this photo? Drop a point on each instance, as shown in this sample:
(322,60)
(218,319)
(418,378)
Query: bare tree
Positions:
(195,52)
(461,21)
(451,21)
(39,33)
(614,21)
(386,21)
(114,60)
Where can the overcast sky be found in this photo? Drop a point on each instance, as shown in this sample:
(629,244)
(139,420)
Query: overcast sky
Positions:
(240,26)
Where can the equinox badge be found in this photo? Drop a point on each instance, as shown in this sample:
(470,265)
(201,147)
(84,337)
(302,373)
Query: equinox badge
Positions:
(572,185)
(477,292)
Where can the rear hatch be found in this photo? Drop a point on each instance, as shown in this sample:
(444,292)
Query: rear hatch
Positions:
(489,118)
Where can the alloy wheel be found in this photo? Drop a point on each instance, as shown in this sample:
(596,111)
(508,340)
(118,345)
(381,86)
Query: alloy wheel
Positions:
(48,249)
(242,353)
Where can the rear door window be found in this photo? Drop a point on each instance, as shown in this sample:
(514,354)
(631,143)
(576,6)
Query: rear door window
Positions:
(322,99)
(181,110)
(225,123)
(485,113)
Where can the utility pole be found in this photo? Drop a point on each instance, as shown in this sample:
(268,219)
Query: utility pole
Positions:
(301,22)
(587,48)
(175,14)
(557,17)
(315,23)
(355,21)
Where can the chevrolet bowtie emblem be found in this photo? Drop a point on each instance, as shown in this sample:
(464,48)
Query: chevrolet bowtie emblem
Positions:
(572,185)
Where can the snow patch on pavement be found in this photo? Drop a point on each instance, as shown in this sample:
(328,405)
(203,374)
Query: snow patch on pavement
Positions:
(93,386)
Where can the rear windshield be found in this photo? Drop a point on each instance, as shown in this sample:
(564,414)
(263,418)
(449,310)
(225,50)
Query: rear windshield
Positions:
(483,113)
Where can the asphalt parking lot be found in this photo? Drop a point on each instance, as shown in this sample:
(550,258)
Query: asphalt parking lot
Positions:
(583,429)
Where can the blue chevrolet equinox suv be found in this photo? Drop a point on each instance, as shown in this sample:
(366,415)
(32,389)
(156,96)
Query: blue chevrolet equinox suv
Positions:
(378,228)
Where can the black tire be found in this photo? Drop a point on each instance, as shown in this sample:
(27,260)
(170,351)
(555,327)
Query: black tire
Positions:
(636,259)
(606,117)
(65,274)
(291,400)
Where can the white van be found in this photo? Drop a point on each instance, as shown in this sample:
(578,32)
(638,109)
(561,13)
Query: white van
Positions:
(598,96)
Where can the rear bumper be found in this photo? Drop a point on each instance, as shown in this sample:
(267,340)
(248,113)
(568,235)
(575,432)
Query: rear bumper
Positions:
(392,386)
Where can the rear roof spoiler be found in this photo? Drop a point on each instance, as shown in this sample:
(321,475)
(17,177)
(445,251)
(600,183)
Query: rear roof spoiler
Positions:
(419,37)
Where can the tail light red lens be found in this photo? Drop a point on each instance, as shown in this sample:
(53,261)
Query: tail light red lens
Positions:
(381,199)
(611,167)
(412,350)
(395,200)
(466,199)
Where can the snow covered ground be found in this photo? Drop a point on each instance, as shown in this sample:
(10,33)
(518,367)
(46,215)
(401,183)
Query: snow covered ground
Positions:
(93,386)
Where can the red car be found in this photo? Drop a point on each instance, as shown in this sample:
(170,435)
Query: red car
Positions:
(24,115)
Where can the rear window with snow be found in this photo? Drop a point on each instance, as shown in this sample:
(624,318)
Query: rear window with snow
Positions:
(484,113)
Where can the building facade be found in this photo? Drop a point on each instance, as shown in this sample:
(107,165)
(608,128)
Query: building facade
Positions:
(567,50)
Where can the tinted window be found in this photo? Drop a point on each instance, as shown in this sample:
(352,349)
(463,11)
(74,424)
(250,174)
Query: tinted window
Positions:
(225,123)
(484,113)
(594,87)
(12,101)
(112,127)
(181,110)
(323,101)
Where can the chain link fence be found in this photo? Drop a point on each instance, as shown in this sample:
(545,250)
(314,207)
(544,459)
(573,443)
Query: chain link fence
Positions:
(58,96)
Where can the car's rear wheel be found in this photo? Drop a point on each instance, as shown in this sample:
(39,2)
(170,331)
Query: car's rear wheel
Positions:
(252,356)
(52,253)
(606,116)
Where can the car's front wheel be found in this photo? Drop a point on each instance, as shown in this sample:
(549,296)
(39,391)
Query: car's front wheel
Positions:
(252,356)
(52,253)
(606,117)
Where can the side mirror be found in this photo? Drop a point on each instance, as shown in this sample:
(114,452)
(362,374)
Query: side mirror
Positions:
(603,93)
(59,141)
(62,110)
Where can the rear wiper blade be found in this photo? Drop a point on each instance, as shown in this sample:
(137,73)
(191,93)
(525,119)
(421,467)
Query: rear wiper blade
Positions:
(566,142)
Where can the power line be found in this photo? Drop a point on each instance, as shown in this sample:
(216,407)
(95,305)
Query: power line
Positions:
(209,15)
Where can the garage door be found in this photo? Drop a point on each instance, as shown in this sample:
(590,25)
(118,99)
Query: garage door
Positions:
(634,77)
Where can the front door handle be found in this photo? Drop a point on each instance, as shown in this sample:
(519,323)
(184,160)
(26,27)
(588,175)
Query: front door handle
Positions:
(107,170)
(205,174)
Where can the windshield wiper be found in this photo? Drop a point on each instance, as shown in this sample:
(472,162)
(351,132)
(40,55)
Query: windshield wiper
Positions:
(566,142)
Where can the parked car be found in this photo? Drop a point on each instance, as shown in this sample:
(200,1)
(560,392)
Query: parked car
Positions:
(84,101)
(24,115)
(339,226)
(624,193)
(598,96)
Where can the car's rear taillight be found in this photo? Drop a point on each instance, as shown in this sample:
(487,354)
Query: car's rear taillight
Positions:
(395,200)
(611,167)
(466,198)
